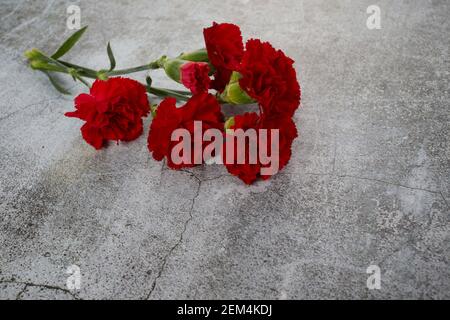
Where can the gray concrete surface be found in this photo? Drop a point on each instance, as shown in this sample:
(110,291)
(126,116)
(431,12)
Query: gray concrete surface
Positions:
(368,182)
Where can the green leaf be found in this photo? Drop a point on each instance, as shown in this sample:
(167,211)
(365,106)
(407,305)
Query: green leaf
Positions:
(69,43)
(55,83)
(111,57)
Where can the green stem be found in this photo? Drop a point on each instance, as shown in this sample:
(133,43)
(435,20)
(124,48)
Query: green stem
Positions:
(80,68)
(185,93)
(90,73)
(132,70)
(80,72)
(160,92)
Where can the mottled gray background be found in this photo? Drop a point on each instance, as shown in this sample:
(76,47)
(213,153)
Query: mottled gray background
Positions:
(368,182)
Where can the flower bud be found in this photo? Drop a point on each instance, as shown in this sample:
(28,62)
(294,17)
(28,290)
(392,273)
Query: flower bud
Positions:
(38,64)
(200,55)
(33,54)
(42,65)
(193,75)
(39,61)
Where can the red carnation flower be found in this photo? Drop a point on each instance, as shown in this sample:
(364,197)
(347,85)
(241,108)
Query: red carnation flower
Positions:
(287,134)
(246,172)
(113,110)
(268,76)
(202,107)
(249,172)
(195,76)
(225,49)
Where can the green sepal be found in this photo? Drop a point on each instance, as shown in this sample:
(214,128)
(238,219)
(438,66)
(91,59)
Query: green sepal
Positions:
(42,65)
(235,77)
(34,54)
(153,109)
(233,93)
(102,75)
(229,123)
(172,68)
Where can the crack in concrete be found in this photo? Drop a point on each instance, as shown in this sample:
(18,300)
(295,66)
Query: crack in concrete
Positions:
(334,151)
(163,165)
(28,22)
(204,180)
(407,243)
(445,200)
(3,18)
(387,182)
(44,286)
(375,180)
(180,240)
(19,295)
(9,115)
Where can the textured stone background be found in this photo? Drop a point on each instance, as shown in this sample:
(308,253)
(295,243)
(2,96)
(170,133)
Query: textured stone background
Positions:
(368,182)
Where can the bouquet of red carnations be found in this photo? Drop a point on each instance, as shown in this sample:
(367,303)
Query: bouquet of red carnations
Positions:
(188,127)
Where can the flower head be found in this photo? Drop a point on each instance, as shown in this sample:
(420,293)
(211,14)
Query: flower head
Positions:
(268,76)
(225,49)
(201,107)
(250,171)
(287,134)
(112,110)
(247,172)
(195,76)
